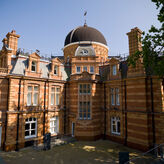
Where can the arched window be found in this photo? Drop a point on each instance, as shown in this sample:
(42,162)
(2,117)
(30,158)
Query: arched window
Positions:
(30,127)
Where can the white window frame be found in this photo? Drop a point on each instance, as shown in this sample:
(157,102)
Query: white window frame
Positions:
(55,122)
(91,69)
(114,70)
(55,94)
(78,71)
(33,92)
(114,122)
(33,64)
(34,120)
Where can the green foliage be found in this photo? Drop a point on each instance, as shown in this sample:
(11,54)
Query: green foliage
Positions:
(152,46)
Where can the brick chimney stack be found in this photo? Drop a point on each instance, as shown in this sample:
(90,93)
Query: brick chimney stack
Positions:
(12,41)
(134,37)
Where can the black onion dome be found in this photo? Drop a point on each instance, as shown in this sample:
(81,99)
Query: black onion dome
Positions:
(84,33)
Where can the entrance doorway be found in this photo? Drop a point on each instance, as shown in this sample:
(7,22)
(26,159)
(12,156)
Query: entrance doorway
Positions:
(73,129)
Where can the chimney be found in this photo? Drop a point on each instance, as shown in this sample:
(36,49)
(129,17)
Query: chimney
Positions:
(12,41)
(134,37)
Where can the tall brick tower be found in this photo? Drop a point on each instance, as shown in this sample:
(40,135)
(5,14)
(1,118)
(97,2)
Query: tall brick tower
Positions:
(12,41)
(134,37)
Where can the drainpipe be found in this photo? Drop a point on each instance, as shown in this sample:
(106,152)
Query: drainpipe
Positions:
(125,111)
(104,112)
(6,114)
(65,103)
(44,114)
(152,110)
(17,138)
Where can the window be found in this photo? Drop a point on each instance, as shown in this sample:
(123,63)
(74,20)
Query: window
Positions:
(117,97)
(84,101)
(55,96)
(30,127)
(91,69)
(78,69)
(85,89)
(112,96)
(114,70)
(33,66)
(56,70)
(85,68)
(32,95)
(54,125)
(115,125)
(84,110)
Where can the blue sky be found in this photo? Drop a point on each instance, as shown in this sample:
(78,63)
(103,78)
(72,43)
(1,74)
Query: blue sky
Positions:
(44,24)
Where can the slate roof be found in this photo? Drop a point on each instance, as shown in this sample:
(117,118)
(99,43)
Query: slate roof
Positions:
(20,64)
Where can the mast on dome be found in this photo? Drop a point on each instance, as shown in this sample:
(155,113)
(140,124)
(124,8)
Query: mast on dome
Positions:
(85,14)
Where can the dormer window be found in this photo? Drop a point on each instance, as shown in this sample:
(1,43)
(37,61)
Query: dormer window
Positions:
(114,69)
(56,69)
(33,66)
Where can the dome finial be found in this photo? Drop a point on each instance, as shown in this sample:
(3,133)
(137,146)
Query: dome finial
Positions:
(85,22)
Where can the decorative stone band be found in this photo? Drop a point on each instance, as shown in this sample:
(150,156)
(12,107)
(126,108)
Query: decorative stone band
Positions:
(86,42)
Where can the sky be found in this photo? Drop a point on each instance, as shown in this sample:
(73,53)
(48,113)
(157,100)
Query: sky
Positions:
(44,24)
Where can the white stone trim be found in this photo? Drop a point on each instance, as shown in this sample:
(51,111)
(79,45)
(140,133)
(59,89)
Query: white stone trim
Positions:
(86,42)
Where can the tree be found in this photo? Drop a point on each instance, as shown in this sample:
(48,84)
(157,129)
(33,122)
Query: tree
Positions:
(152,51)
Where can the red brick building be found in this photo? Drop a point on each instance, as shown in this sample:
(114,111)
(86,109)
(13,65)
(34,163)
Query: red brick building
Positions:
(85,93)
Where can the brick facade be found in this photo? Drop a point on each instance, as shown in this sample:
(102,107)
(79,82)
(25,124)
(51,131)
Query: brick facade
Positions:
(91,95)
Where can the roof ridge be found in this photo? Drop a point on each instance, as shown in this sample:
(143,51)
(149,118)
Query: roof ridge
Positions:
(73,32)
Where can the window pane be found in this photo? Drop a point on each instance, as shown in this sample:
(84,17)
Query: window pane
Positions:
(118,126)
(32,132)
(88,88)
(56,69)
(91,69)
(53,89)
(27,126)
(57,89)
(52,98)
(57,99)
(36,88)
(114,70)
(84,68)
(33,126)
(26,133)
(29,96)
(33,67)
(29,88)
(35,98)
(78,69)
